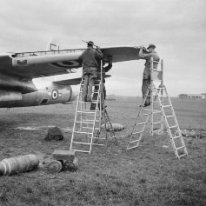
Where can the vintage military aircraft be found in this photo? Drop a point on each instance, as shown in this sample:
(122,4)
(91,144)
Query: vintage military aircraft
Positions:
(18,69)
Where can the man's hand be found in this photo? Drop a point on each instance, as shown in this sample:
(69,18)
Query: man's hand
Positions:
(143,49)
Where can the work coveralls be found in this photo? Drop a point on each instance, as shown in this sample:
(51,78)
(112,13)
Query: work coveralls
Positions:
(90,61)
(147,73)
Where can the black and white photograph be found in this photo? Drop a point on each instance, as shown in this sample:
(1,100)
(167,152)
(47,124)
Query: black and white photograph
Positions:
(102,103)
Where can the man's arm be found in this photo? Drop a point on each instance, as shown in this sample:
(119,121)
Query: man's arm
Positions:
(99,53)
(144,55)
(108,67)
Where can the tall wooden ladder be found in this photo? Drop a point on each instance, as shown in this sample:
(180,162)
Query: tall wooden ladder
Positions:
(89,117)
(160,115)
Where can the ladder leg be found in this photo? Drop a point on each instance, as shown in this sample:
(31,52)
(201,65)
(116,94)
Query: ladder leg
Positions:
(172,126)
(87,122)
(139,125)
(174,131)
(165,109)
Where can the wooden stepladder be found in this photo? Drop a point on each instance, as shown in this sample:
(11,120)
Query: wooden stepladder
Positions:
(160,115)
(89,117)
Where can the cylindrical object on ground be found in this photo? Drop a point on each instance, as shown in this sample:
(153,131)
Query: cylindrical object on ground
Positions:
(18,164)
(55,166)
(115,126)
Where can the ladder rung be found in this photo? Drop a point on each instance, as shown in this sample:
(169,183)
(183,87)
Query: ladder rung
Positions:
(83,132)
(156,112)
(159,122)
(83,143)
(178,148)
(98,144)
(102,138)
(142,122)
(80,105)
(173,126)
(137,132)
(78,150)
(168,105)
(87,127)
(87,121)
(132,147)
(86,111)
(131,142)
(182,155)
(175,137)
(169,116)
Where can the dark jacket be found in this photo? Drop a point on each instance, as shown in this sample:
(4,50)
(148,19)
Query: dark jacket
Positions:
(91,57)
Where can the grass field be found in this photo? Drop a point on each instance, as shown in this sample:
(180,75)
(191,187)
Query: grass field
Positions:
(148,175)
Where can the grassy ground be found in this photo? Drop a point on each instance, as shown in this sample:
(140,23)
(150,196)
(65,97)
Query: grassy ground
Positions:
(148,175)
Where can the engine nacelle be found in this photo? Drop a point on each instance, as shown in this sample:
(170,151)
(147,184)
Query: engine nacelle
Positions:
(50,95)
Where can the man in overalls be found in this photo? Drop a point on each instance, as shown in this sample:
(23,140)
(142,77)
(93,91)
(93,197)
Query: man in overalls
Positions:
(147,55)
(90,59)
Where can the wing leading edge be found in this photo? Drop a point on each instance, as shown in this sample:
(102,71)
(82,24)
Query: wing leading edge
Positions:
(31,65)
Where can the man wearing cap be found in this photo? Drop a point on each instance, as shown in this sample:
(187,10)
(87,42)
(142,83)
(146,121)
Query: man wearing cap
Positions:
(147,55)
(90,59)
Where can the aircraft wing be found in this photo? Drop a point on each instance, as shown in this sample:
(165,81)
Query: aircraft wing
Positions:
(29,65)
(74,81)
(121,53)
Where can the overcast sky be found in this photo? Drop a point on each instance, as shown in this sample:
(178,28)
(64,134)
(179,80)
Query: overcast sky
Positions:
(177,27)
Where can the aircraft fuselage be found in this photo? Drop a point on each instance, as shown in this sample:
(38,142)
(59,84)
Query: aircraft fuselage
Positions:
(17,92)
(49,95)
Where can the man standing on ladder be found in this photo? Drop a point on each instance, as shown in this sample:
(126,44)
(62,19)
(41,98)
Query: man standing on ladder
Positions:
(147,55)
(90,61)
